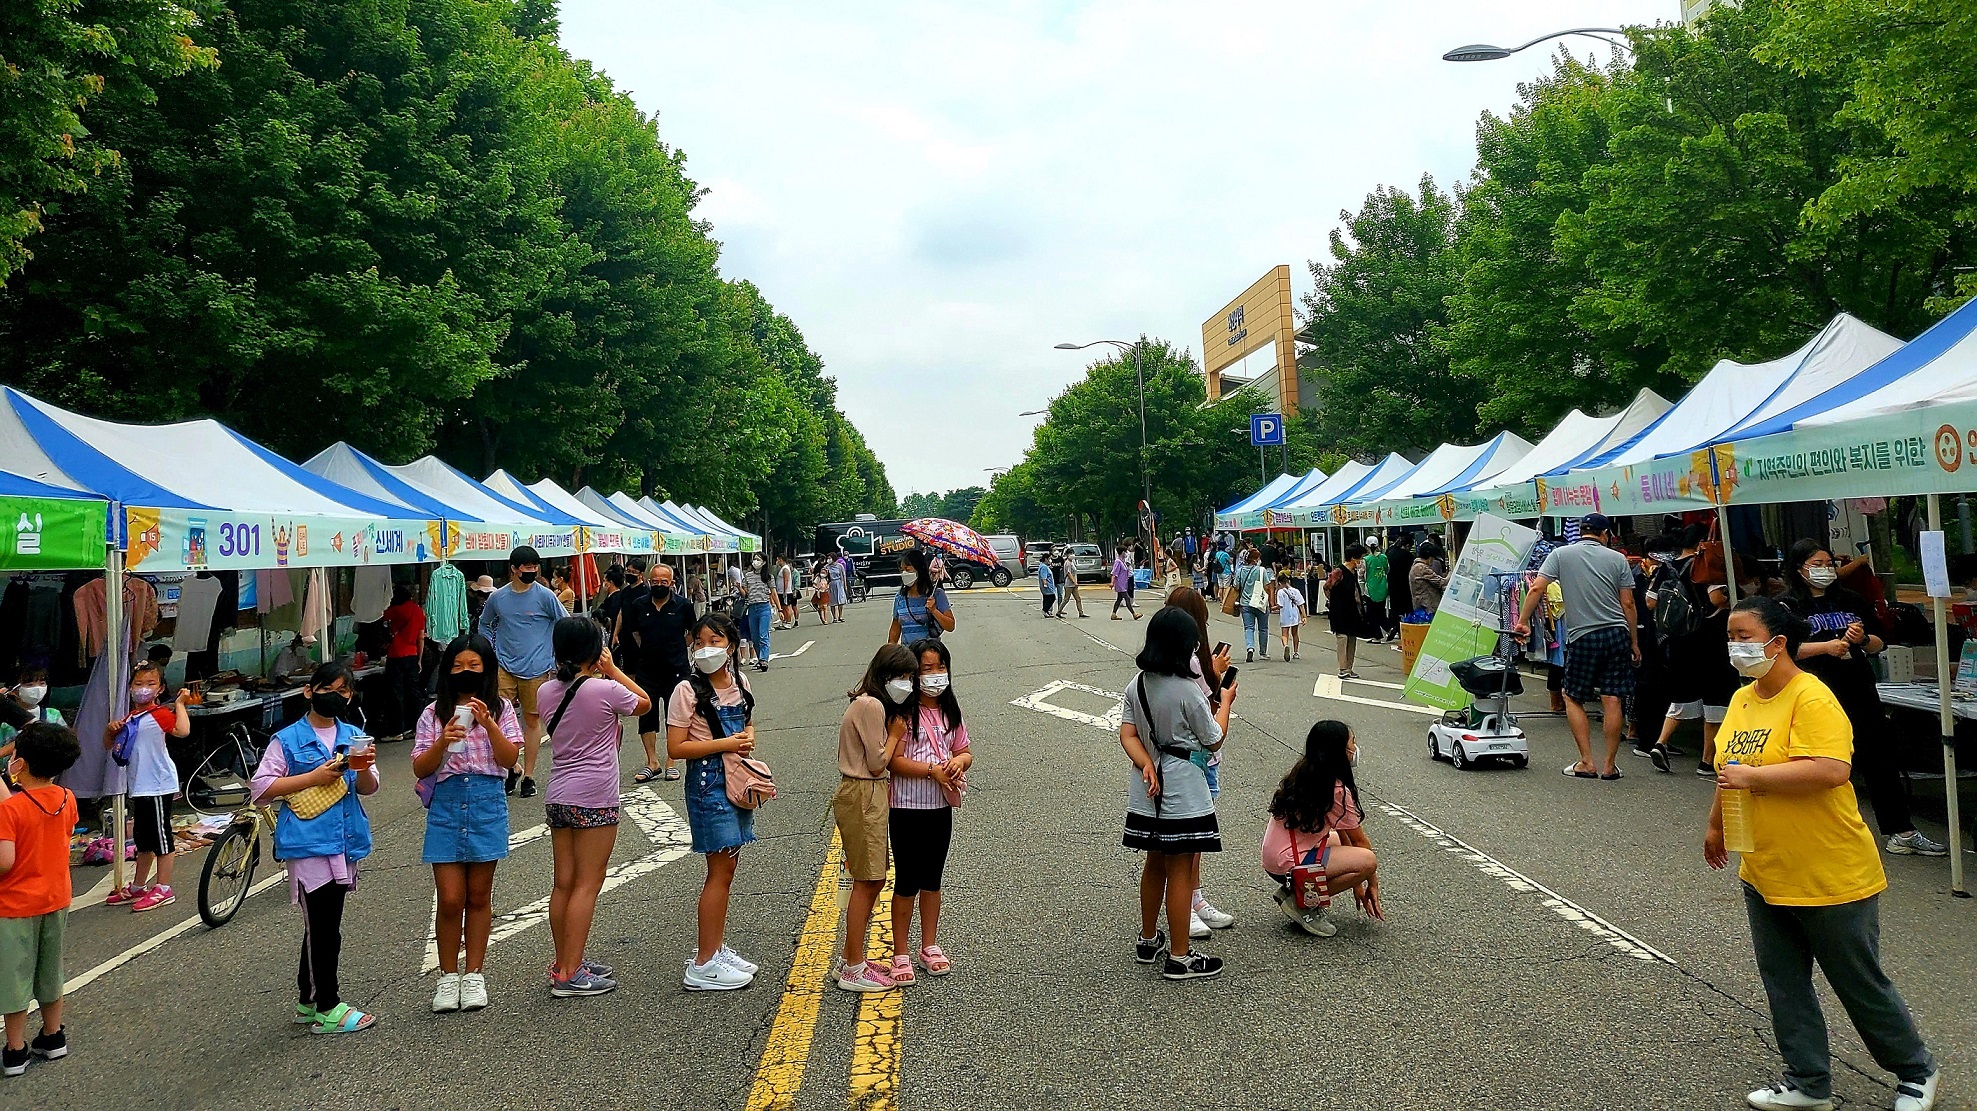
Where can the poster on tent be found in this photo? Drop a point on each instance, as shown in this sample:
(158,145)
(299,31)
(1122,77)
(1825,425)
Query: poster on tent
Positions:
(1519,502)
(52,534)
(195,540)
(1466,624)
(1926,450)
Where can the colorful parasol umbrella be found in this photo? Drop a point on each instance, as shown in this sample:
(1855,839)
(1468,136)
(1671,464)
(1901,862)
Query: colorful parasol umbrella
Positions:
(953,538)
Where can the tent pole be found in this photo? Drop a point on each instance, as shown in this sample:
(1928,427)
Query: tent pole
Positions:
(114,682)
(1729,552)
(1946,720)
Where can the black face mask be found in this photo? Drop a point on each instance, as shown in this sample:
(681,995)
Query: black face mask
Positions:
(329,704)
(661,593)
(527,576)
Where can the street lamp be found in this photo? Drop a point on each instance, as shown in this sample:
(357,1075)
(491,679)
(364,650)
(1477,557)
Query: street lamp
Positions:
(1483,52)
(1146,489)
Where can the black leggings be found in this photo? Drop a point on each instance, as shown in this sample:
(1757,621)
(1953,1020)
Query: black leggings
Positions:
(1125,598)
(322,944)
(919,849)
(1878,763)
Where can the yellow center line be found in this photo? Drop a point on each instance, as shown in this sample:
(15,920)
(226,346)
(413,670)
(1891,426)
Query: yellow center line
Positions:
(875,1049)
(780,1073)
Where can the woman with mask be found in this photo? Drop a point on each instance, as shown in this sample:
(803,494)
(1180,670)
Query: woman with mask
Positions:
(1428,578)
(708,715)
(1249,586)
(1811,879)
(321,852)
(920,611)
(1845,632)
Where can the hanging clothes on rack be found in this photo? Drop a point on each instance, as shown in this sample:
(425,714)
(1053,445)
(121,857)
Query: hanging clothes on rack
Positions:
(140,613)
(95,775)
(272,590)
(446,604)
(317,618)
(371,594)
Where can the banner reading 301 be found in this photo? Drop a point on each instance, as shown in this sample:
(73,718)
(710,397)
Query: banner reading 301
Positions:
(192,540)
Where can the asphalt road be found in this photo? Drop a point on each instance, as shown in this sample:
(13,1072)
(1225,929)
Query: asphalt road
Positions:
(1550,942)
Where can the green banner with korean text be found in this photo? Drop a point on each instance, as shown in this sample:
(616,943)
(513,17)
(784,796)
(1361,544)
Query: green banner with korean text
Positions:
(53,534)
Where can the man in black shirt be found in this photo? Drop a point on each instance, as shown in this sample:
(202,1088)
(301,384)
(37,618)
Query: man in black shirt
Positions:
(651,631)
(630,592)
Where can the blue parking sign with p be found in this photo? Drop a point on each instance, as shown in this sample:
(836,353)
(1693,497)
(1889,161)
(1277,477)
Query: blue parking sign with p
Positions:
(1266,429)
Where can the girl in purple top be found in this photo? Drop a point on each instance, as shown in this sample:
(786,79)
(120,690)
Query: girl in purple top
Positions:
(464,744)
(1122,585)
(582,707)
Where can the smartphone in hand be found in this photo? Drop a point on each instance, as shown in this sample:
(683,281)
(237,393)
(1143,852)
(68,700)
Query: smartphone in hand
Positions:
(1229,677)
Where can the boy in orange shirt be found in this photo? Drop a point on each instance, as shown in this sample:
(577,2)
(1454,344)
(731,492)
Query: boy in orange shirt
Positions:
(35,823)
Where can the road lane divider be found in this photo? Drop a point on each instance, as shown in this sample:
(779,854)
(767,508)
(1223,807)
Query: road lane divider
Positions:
(662,826)
(779,1074)
(1519,882)
(1329,686)
(1039,700)
(875,1047)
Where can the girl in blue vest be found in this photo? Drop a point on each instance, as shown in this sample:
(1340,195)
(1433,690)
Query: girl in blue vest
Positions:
(321,852)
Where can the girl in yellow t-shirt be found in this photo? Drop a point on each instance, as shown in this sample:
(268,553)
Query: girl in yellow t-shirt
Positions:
(1813,881)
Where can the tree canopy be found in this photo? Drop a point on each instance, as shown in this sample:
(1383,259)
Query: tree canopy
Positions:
(415,225)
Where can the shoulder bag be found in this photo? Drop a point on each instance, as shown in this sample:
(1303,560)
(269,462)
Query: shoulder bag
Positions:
(1309,885)
(312,802)
(750,783)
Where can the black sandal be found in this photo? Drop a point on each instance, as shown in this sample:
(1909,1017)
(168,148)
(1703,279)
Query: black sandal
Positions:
(645,775)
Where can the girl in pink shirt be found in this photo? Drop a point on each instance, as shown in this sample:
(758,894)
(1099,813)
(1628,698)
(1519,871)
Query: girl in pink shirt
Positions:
(927,781)
(1315,818)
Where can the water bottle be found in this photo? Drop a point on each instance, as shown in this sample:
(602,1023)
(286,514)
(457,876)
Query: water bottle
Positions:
(1737,835)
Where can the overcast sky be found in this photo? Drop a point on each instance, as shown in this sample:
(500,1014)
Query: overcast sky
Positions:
(938,192)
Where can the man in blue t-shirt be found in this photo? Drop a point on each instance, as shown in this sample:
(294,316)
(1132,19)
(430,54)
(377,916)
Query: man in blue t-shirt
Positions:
(519,619)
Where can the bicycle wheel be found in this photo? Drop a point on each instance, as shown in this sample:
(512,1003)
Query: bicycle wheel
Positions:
(229,873)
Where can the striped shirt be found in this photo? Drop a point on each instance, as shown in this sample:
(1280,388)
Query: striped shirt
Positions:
(933,743)
(472,755)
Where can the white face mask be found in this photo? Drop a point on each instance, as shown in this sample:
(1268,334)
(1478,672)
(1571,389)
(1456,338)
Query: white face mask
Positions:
(1821,577)
(908,576)
(1748,658)
(935,683)
(1352,756)
(899,689)
(709,660)
(31,696)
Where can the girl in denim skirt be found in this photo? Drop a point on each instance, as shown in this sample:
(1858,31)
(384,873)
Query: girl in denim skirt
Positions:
(466,740)
(710,714)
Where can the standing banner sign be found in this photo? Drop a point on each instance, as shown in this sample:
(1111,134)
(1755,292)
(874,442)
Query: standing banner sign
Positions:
(1467,623)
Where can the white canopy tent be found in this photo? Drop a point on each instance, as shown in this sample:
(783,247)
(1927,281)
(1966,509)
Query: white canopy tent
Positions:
(1450,465)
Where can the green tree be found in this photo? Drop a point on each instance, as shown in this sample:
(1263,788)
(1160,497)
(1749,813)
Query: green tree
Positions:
(1910,72)
(1510,329)
(1695,232)
(1371,321)
(60,60)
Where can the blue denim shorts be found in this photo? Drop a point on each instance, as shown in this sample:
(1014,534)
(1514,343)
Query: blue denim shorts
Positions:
(468,821)
(718,825)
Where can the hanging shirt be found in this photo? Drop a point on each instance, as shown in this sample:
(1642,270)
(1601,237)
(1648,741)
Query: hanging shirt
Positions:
(370,593)
(197,600)
(446,604)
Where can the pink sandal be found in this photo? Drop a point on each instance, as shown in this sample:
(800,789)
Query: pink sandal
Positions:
(902,969)
(935,960)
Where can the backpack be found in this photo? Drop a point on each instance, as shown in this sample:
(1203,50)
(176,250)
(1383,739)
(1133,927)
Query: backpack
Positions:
(1675,613)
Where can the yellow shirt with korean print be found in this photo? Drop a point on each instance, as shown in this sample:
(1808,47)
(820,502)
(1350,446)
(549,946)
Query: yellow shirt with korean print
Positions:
(1813,850)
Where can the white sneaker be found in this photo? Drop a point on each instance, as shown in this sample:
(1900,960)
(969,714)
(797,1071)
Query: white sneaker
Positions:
(447,997)
(716,975)
(736,960)
(1784,1095)
(1910,1096)
(1216,919)
(473,991)
(1196,927)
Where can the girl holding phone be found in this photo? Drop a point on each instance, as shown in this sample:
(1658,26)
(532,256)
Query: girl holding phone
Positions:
(464,744)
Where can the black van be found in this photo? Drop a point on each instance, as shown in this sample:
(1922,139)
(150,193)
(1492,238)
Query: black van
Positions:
(875,545)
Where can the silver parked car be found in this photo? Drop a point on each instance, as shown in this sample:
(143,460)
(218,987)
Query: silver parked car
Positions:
(1087,562)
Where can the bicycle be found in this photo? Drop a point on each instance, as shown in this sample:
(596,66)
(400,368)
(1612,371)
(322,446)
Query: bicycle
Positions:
(228,874)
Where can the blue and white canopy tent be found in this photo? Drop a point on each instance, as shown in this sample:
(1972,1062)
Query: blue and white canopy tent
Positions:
(479,523)
(1514,494)
(1424,495)
(1234,517)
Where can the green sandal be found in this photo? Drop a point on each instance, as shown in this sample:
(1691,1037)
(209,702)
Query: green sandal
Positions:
(342,1019)
(305,1015)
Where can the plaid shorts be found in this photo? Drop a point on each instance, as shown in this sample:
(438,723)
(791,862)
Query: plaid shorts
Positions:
(1600,662)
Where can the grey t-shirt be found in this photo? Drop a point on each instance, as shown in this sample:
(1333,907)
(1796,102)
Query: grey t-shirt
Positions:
(1591,576)
(1181,716)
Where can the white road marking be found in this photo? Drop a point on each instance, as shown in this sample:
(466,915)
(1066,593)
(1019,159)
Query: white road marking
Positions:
(1100,643)
(1328,686)
(1517,881)
(95,894)
(1375,683)
(660,823)
(152,942)
(516,840)
(1038,700)
(774,656)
